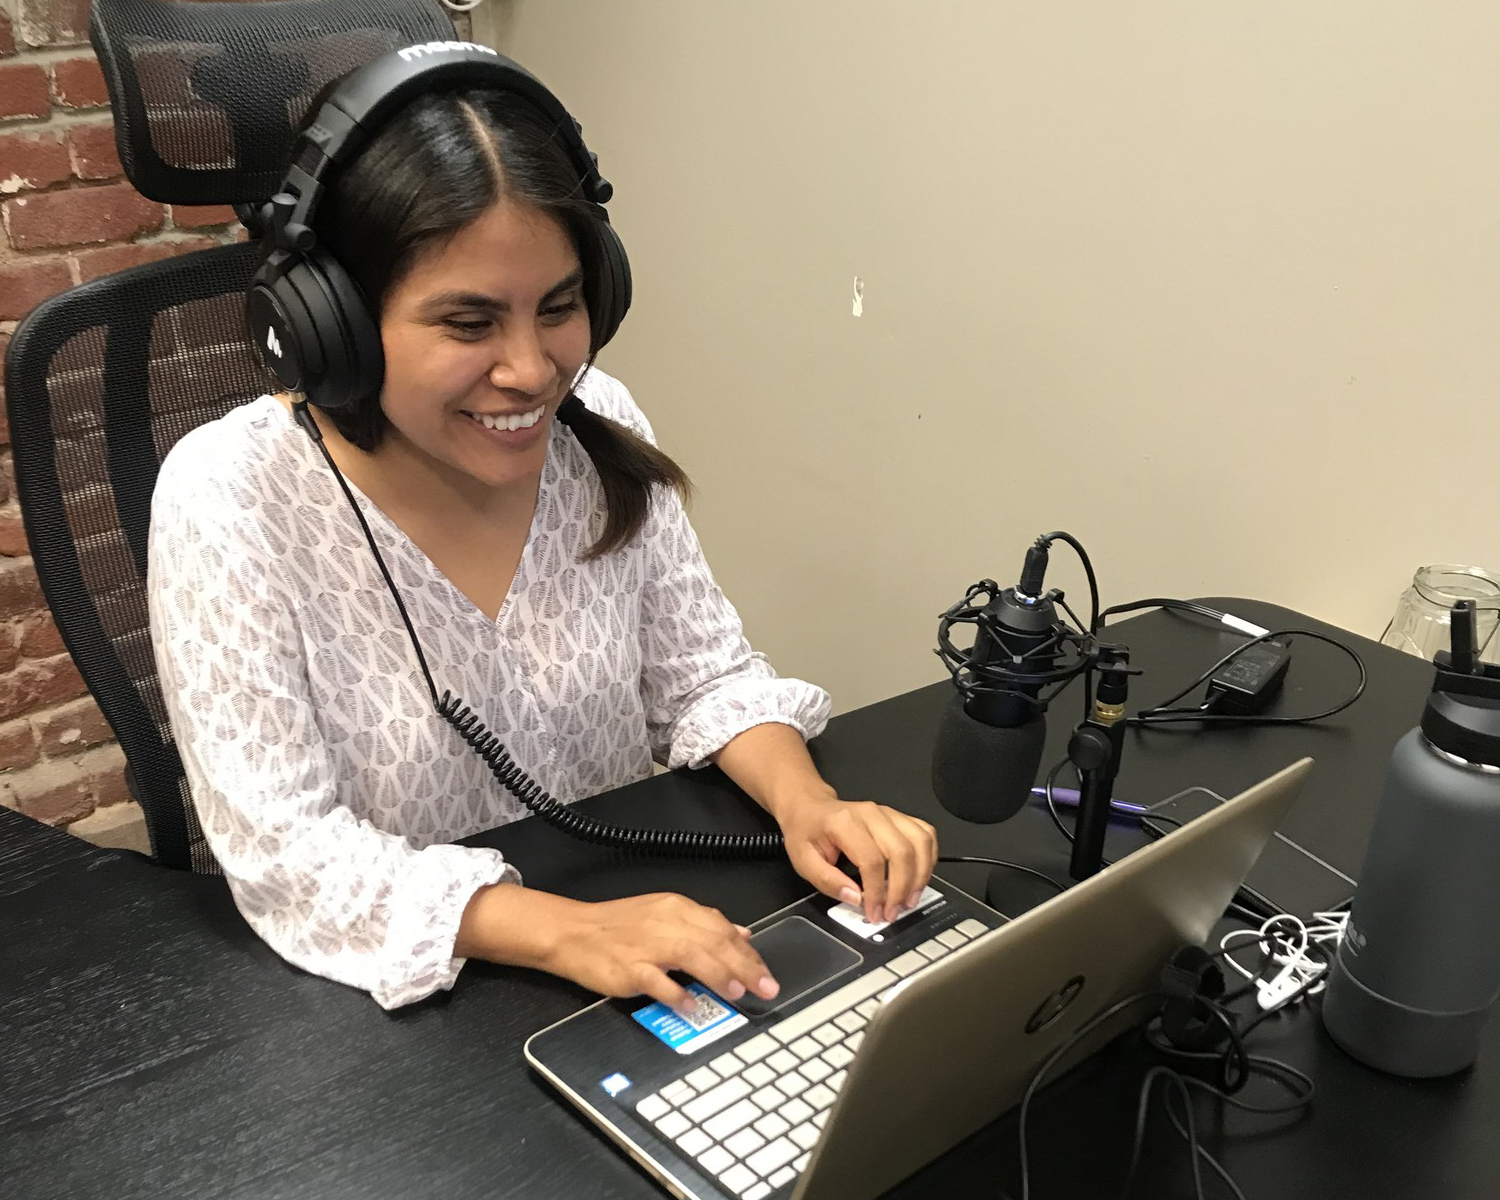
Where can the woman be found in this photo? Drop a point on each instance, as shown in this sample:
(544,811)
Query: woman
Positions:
(538,540)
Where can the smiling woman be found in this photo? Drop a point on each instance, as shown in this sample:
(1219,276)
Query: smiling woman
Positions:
(518,510)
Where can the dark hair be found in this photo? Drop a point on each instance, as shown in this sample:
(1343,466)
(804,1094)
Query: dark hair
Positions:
(428,173)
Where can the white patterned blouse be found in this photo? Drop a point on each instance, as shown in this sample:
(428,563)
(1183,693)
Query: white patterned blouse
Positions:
(327,786)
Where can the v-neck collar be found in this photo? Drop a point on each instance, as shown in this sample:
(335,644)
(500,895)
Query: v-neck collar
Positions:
(369,507)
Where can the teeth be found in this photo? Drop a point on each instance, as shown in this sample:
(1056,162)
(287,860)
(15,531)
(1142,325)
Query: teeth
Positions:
(513,422)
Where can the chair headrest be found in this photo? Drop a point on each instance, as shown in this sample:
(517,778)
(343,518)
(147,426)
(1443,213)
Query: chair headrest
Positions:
(206,95)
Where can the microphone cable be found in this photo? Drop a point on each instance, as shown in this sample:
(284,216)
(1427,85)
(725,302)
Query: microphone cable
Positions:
(512,777)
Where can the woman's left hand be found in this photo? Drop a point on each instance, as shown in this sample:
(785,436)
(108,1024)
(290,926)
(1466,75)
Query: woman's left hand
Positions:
(895,853)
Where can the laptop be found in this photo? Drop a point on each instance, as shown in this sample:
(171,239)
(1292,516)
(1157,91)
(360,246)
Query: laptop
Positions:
(951,1008)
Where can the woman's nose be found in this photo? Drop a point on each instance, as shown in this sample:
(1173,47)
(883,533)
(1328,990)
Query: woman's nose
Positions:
(524,364)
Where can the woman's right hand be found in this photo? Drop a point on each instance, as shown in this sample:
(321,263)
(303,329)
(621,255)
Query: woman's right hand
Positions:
(615,947)
(627,947)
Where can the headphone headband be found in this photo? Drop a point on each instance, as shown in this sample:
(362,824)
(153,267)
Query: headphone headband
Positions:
(365,99)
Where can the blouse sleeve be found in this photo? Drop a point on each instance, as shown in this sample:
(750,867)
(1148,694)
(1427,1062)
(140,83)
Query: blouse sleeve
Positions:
(702,683)
(327,890)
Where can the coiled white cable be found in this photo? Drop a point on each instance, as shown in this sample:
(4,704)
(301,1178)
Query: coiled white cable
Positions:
(1287,939)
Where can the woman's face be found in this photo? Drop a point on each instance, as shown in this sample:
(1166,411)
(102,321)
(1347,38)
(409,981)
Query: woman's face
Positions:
(482,339)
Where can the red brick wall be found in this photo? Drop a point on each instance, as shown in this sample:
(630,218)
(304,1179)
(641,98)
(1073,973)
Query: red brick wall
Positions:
(66,216)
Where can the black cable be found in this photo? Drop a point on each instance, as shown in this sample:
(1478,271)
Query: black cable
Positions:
(1191,606)
(997,862)
(1051,1060)
(1161,715)
(675,842)
(1057,535)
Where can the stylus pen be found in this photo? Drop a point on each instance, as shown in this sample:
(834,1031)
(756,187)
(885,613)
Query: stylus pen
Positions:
(1068,797)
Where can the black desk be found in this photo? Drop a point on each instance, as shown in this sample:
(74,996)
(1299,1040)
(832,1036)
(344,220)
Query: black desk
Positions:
(152,1046)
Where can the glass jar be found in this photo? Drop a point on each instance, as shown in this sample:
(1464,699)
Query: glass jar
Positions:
(1420,625)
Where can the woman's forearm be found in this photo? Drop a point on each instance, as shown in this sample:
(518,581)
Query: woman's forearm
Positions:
(771,765)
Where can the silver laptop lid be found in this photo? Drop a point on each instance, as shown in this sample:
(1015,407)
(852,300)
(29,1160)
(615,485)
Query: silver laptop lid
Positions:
(956,1047)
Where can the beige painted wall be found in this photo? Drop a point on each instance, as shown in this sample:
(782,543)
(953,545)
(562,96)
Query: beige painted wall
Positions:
(1212,284)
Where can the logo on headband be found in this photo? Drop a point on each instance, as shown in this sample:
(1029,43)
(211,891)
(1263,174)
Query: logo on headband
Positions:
(411,53)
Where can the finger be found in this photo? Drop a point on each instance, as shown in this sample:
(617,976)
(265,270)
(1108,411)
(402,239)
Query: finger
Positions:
(729,970)
(900,859)
(824,876)
(854,838)
(652,981)
(924,838)
(713,929)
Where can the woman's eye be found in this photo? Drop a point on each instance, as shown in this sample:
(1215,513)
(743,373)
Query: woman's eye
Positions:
(467,328)
(559,312)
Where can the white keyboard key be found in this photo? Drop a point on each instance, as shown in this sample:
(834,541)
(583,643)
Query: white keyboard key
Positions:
(737,1179)
(828,1034)
(821,1119)
(674,1125)
(816,1070)
(677,1093)
(771,1126)
(772,1157)
(721,1097)
(782,1061)
(694,1142)
(836,1080)
(725,1066)
(868,1007)
(759,1075)
(804,1047)
(731,1120)
(768,1099)
(756,1048)
(851,1022)
(933,949)
(805,1135)
(743,1143)
(785,1175)
(971,927)
(796,1111)
(908,963)
(792,1084)
(799,1165)
(952,938)
(715,1160)
(854,1039)
(651,1107)
(830,1006)
(819,1096)
(838,1056)
(758,1192)
(702,1078)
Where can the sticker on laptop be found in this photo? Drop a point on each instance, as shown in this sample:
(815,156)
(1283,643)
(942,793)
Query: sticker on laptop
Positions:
(853,918)
(710,1020)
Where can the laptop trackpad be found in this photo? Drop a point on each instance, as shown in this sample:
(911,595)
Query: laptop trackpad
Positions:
(800,957)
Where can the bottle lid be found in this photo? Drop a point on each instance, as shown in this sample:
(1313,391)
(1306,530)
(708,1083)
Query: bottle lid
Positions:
(1468,727)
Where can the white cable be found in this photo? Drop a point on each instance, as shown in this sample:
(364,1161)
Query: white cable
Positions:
(461,6)
(1301,973)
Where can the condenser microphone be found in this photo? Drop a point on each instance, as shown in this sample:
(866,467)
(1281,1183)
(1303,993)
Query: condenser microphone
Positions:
(989,740)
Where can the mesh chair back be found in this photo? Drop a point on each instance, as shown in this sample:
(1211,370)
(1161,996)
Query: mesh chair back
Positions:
(206,95)
(101,381)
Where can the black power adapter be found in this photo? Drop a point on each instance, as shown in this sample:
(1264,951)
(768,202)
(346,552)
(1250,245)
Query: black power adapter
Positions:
(1247,683)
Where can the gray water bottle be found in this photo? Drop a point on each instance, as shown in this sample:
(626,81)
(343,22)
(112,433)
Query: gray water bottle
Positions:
(1419,966)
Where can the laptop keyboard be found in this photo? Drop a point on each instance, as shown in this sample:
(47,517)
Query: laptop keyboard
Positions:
(751,1116)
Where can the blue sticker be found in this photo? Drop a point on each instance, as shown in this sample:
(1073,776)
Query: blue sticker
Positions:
(615,1084)
(711,1019)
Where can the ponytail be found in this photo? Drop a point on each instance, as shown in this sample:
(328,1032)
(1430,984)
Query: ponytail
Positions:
(629,467)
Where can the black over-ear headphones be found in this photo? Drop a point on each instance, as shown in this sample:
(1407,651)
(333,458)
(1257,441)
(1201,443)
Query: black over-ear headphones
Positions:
(313,327)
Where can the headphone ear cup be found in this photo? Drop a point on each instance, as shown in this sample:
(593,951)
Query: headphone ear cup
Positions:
(614,284)
(343,332)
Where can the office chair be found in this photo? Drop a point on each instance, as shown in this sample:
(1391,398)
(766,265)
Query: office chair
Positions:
(102,380)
